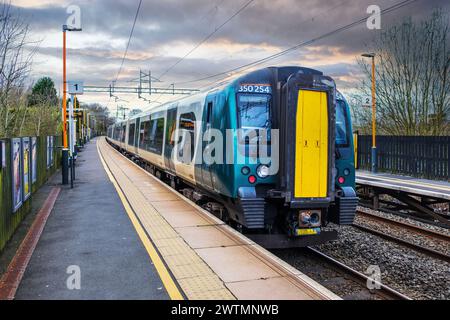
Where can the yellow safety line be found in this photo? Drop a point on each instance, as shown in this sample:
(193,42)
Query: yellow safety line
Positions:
(169,284)
(418,183)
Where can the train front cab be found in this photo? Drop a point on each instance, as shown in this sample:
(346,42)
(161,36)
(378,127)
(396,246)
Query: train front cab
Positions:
(310,162)
(307,123)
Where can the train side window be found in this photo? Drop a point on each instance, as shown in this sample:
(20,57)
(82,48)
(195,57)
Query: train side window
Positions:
(209,112)
(131,134)
(144,135)
(342,132)
(156,134)
(124,130)
(187,127)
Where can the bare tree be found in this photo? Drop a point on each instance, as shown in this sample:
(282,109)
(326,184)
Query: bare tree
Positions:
(413,80)
(15,62)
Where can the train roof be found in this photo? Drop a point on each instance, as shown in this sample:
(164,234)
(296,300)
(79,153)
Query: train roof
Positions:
(256,76)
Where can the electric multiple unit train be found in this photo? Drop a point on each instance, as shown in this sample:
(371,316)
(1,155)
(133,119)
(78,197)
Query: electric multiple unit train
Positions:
(270,153)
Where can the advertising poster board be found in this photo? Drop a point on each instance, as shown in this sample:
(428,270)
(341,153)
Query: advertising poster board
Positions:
(49,151)
(16,161)
(26,157)
(33,160)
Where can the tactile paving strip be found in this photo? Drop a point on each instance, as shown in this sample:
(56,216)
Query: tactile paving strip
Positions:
(205,256)
(193,275)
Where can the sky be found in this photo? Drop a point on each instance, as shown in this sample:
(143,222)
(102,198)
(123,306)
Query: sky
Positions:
(166,30)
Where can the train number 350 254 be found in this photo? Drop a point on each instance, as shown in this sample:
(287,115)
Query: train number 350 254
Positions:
(255,88)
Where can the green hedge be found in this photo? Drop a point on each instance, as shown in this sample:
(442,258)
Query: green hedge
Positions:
(9,221)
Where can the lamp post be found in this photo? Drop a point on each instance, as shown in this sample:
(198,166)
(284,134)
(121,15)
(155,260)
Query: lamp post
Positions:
(374,114)
(65,150)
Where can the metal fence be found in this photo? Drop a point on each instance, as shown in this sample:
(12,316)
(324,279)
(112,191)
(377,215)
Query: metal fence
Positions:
(423,157)
(39,170)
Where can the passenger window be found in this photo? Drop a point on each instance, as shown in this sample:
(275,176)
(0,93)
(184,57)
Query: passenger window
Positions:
(143,135)
(209,112)
(131,134)
(124,130)
(156,135)
(187,127)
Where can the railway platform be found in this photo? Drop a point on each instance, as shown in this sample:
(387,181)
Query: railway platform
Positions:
(421,187)
(421,195)
(130,236)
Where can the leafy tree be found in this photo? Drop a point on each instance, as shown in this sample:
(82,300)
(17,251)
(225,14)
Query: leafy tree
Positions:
(412,78)
(43,92)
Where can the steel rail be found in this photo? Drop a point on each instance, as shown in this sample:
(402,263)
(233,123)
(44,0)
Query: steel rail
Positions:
(384,290)
(406,225)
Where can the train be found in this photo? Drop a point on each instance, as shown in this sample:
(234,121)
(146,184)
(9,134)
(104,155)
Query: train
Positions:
(270,153)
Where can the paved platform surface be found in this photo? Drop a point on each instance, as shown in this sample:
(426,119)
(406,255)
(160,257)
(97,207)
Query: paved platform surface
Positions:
(437,189)
(133,237)
(89,228)
(208,259)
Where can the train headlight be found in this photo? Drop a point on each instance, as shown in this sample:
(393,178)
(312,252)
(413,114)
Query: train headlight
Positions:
(263,171)
(309,218)
(304,217)
(346,172)
(314,219)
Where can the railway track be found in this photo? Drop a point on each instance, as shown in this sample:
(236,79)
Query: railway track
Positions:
(338,277)
(384,292)
(420,217)
(393,225)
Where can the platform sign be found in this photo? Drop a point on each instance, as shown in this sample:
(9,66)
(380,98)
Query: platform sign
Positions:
(16,160)
(367,101)
(76,87)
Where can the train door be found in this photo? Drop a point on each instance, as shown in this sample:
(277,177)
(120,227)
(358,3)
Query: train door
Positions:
(169,143)
(307,146)
(311,156)
(206,133)
(136,135)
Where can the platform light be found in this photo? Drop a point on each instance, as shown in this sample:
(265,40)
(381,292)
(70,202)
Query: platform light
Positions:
(65,150)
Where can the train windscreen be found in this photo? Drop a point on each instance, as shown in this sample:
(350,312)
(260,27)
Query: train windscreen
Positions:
(254,111)
(341,124)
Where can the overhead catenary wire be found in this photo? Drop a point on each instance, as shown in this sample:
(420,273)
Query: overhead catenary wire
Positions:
(247,66)
(242,8)
(129,40)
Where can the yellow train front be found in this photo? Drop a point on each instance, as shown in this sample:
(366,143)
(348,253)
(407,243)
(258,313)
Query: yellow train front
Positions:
(260,152)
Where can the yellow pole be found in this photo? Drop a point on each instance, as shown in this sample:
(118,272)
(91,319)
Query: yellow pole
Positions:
(374,110)
(64,106)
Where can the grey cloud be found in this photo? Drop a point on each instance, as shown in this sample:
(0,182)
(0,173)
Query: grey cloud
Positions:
(279,23)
